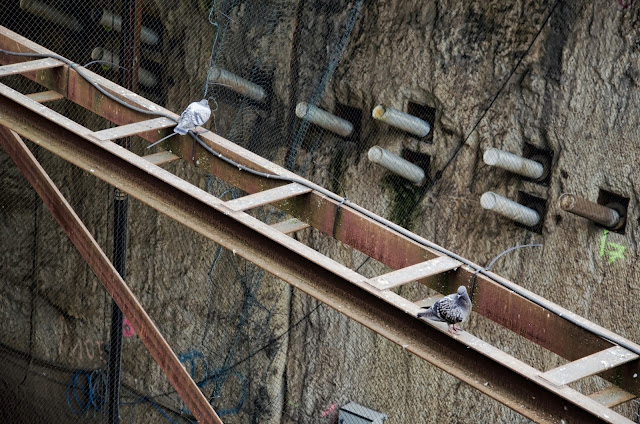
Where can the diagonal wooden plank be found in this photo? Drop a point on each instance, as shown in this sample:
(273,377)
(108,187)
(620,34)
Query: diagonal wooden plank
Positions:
(45,96)
(612,396)
(108,276)
(161,158)
(589,365)
(415,272)
(290,226)
(268,196)
(29,66)
(133,129)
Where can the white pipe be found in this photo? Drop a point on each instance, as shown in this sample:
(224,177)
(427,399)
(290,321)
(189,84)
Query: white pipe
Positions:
(145,77)
(399,119)
(396,164)
(51,14)
(513,163)
(324,119)
(237,84)
(510,209)
(110,20)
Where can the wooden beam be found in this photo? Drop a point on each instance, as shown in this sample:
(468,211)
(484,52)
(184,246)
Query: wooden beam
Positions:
(161,158)
(429,301)
(45,96)
(415,272)
(612,396)
(589,365)
(29,66)
(266,197)
(290,226)
(134,129)
(108,276)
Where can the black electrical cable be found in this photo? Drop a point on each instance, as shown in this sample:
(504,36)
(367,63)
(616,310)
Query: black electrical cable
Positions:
(556,309)
(495,97)
(493,261)
(97,86)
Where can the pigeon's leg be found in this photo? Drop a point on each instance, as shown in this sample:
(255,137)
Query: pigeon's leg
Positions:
(453,329)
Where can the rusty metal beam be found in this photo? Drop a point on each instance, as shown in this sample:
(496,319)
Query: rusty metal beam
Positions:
(469,359)
(108,276)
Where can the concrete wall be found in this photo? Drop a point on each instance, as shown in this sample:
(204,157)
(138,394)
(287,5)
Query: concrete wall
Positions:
(574,93)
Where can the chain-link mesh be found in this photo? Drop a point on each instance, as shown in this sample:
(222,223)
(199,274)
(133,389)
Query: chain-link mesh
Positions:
(394,105)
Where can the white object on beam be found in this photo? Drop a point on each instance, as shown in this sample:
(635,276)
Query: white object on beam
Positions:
(399,119)
(236,83)
(145,77)
(110,20)
(324,119)
(396,164)
(513,163)
(51,14)
(510,209)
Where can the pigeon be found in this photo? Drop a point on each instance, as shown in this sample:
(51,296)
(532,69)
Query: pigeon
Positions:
(452,309)
(197,113)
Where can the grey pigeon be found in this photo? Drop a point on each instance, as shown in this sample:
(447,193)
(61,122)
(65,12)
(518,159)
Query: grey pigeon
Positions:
(452,309)
(197,113)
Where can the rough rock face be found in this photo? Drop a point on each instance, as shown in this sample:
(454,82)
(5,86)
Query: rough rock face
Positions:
(497,73)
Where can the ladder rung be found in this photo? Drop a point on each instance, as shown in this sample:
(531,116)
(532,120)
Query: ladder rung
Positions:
(45,96)
(29,66)
(415,272)
(268,196)
(612,396)
(589,365)
(161,158)
(290,226)
(133,129)
(429,301)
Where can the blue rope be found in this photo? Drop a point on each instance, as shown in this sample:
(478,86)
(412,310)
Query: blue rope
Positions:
(93,393)
(73,387)
(98,389)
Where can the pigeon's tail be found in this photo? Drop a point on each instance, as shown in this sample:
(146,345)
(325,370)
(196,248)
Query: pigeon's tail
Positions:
(161,140)
(179,130)
(429,313)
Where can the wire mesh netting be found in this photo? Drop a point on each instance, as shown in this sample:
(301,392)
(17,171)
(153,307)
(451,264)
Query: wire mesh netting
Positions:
(457,121)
